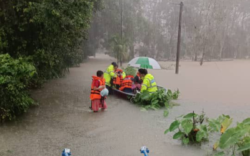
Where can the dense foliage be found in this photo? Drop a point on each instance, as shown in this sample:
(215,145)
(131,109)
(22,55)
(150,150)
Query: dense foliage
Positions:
(14,78)
(235,140)
(156,100)
(190,128)
(194,128)
(51,34)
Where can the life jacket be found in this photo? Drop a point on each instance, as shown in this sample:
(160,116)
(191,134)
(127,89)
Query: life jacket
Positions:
(95,94)
(118,80)
(127,82)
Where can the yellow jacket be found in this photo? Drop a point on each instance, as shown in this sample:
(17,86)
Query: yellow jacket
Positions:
(123,75)
(149,84)
(109,74)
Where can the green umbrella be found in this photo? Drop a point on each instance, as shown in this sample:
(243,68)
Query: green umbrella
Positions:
(144,62)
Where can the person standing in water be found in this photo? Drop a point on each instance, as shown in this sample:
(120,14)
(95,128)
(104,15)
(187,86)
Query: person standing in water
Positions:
(98,92)
(148,83)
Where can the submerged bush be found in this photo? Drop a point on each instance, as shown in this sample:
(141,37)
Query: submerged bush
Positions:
(160,98)
(15,75)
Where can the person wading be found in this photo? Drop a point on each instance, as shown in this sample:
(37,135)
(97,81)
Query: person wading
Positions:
(98,92)
(148,83)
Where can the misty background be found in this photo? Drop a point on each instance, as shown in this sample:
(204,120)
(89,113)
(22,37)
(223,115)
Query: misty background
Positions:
(215,29)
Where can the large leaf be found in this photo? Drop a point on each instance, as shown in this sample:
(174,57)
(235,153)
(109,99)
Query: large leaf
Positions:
(225,124)
(220,154)
(185,141)
(174,126)
(199,136)
(230,137)
(190,115)
(245,147)
(214,125)
(216,145)
(246,121)
(166,131)
(187,125)
(178,135)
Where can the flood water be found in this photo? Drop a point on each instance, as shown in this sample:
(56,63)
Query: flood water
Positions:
(63,119)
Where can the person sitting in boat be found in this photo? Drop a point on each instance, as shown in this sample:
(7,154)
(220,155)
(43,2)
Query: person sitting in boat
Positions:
(98,92)
(148,83)
(117,81)
(110,74)
(127,84)
(137,82)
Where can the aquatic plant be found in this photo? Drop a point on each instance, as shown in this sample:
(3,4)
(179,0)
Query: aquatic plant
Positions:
(235,140)
(189,128)
(156,100)
(194,128)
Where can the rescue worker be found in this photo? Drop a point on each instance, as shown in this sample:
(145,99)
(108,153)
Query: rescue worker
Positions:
(109,74)
(119,76)
(148,83)
(98,92)
(127,84)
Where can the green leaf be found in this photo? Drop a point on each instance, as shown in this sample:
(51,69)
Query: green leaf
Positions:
(178,135)
(230,137)
(146,96)
(187,125)
(214,125)
(246,121)
(190,115)
(225,124)
(199,136)
(166,103)
(216,145)
(185,141)
(174,126)
(166,112)
(155,102)
(166,131)
(244,147)
(220,154)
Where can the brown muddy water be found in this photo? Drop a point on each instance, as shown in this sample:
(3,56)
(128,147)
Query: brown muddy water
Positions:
(63,119)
